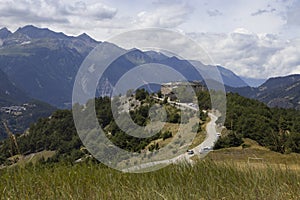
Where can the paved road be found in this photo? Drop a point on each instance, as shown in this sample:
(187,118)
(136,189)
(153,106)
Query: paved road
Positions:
(211,137)
(209,142)
(185,105)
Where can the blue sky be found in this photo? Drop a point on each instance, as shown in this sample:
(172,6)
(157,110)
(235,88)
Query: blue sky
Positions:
(258,38)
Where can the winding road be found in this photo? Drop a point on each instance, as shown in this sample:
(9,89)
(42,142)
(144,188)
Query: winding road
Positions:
(200,150)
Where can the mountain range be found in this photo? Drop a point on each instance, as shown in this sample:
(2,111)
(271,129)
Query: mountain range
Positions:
(281,92)
(9,93)
(42,64)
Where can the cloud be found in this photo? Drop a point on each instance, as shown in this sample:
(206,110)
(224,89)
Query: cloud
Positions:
(214,12)
(70,17)
(293,14)
(286,60)
(98,11)
(252,55)
(259,12)
(263,11)
(45,11)
(165,16)
(30,11)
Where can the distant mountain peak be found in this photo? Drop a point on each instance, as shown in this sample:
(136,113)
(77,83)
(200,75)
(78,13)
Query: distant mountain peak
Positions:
(291,77)
(30,28)
(86,37)
(135,51)
(282,81)
(280,92)
(137,56)
(4,29)
(4,33)
(156,55)
(38,33)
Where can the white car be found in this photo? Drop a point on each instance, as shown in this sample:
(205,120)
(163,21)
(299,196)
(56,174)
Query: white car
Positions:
(206,148)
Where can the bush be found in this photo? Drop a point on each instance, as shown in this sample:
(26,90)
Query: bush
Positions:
(166,135)
(244,146)
(231,140)
(141,94)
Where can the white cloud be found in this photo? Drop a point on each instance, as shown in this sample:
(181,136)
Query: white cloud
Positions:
(164,16)
(53,13)
(286,60)
(97,11)
(30,11)
(252,55)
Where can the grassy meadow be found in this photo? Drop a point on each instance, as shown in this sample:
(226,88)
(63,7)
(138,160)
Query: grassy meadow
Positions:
(204,180)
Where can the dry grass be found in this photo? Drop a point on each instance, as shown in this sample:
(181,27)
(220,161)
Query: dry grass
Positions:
(204,180)
(244,157)
(200,136)
(223,174)
(32,158)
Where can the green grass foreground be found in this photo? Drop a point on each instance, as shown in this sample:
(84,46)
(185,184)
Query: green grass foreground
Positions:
(204,180)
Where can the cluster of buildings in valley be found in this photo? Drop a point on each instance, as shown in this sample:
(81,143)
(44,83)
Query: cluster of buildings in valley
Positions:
(16,110)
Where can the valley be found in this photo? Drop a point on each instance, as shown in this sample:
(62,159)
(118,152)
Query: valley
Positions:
(255,150)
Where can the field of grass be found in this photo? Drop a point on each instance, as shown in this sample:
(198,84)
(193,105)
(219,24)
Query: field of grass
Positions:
(32,158)
(203,180)
(256,155)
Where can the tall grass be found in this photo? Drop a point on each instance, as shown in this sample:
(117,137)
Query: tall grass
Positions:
(204,180)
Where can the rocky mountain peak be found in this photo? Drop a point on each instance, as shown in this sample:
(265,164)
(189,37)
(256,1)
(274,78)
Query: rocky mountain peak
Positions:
(38,33)
(86,37)
(4,33)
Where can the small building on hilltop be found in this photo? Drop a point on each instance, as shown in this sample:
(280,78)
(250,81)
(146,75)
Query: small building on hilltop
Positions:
(170,89)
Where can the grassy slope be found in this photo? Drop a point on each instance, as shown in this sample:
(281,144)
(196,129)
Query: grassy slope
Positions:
(211,178)
(240,156)
(32,158)
(204,180)
(224,174)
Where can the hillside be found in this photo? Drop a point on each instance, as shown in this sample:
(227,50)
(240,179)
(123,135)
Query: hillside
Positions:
(9,93)
(282,92)
(17,108)
(58,132)
(274,128)
(44,63)
(275,140)
(20,116)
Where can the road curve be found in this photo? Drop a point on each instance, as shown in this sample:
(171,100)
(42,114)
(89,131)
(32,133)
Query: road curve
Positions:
(211,138)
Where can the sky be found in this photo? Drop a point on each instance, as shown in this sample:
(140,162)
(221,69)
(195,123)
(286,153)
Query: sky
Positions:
(257,38)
